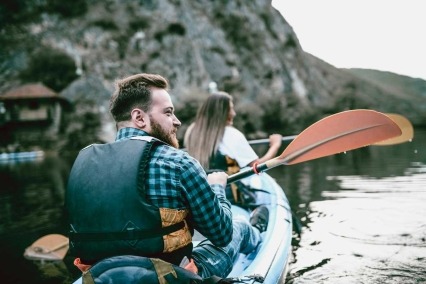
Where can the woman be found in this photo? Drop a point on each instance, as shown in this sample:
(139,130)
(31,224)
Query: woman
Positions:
(216,144)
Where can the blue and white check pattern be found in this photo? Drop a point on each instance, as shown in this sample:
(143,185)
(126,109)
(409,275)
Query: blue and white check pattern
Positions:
(177,181)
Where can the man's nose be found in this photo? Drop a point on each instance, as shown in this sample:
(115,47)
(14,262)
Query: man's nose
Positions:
(176,121)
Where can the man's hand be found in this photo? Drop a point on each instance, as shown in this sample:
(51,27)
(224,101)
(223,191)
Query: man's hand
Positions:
(217,178)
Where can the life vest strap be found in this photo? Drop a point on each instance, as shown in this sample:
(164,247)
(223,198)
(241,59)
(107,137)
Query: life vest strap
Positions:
(129,234)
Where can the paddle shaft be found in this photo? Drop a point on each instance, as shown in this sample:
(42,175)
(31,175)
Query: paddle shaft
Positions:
(266,140)
(247,172)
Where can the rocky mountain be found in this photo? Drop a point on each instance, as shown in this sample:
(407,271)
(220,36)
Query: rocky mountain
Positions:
(246,47)
(412,89)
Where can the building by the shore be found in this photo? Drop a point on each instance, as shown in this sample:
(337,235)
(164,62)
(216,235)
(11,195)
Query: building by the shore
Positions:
(32,114)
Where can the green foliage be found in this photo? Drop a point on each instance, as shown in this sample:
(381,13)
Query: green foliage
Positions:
(140,23)
(273,119)
(123,41)
(268,21)
(234,27)
(291,42)
(23,11)
(177,29)
(67,9)
(188,104)
(18,11)
(187,111)
(106,24)
(85,125)
(247,125)
(52,67)
(284,115)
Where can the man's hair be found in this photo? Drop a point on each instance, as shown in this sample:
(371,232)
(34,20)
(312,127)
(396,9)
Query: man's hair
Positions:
(134,92)
(206,133)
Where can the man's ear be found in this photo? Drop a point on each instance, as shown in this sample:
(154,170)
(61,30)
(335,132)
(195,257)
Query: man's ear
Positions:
(139,118)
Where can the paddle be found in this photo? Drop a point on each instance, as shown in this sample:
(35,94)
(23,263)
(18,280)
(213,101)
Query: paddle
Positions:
(401,121)
(49,247)
(334,134)
(266,140)
(406,128)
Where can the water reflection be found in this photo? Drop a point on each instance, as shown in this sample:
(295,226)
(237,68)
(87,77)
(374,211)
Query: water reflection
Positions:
(373,230)
(31,200)
(32,194)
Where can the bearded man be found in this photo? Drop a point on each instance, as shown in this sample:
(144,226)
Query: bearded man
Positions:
(142,196)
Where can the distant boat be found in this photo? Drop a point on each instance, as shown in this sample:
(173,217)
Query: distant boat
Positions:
(21,156)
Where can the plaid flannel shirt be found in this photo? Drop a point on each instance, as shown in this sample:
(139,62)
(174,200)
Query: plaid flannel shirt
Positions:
(177,181)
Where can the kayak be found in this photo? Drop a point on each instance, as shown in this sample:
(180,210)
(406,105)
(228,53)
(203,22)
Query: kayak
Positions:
(268,263)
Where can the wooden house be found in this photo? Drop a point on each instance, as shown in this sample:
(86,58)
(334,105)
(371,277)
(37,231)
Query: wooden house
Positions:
(32,114)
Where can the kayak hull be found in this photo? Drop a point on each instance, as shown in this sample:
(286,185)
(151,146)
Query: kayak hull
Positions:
(270,260)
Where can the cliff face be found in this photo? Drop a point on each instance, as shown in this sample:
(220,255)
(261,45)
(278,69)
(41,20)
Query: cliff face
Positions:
(246,47)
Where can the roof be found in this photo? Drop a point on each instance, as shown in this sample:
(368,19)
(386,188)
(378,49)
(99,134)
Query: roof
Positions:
(29,91)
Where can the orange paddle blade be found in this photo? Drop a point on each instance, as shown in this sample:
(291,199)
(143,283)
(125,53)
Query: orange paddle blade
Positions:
(343,131)
(338,133)
(406,128)
(49,247)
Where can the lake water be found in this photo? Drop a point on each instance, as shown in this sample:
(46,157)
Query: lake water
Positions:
(362,215)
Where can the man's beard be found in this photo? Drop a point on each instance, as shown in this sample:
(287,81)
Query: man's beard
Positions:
(158,132)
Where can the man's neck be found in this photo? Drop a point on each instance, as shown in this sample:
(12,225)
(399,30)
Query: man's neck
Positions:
(128,132)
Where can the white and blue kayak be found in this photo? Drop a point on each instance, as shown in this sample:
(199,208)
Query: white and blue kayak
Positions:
(269,262)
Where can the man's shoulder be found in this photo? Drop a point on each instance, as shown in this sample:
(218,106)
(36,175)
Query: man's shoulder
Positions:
(175,158)
(165,151)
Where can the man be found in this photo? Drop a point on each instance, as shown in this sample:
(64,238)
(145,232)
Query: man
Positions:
(141,195)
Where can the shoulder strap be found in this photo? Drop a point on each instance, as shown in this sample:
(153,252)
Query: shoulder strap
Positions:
(143,164)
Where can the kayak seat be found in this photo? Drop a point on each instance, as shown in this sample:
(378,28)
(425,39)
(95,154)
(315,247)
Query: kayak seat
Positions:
(240,194)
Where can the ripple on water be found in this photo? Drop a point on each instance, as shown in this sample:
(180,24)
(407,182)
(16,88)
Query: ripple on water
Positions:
(371,231)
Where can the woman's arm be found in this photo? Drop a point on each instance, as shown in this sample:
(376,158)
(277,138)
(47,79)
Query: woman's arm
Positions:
(275,141)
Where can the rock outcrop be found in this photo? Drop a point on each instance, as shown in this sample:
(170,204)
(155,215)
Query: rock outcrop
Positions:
(246,47)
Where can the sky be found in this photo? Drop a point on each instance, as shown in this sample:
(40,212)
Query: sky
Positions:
(385,35)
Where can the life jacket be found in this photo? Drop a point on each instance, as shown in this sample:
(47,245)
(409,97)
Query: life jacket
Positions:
(224,162)
(237,192)
(108,212)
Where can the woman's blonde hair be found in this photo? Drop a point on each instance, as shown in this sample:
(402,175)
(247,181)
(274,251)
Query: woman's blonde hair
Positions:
(204,135)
